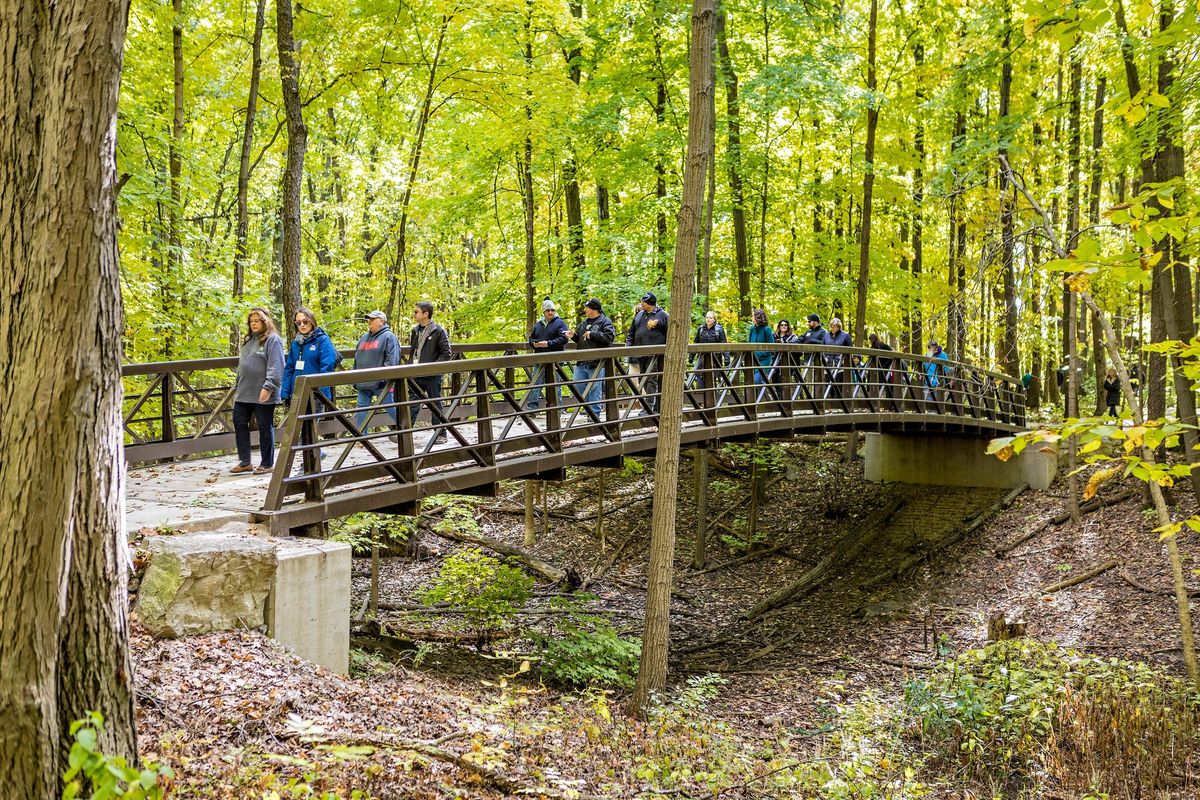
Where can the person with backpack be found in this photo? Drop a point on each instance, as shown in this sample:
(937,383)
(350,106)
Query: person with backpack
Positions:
(549,335)
(378,347)
(649,327)
(428,343)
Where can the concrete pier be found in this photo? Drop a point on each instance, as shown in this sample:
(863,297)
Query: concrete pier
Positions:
(941,460)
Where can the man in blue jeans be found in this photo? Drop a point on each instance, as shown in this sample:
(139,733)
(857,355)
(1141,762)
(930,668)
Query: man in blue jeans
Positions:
(378,347)
(594,330)
(549,335)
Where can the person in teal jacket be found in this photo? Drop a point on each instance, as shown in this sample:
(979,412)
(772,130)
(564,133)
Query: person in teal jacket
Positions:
(311,353)
(760,332)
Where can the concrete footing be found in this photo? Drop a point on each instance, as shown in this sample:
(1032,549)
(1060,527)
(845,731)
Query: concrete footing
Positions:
(309,606)
(953,461)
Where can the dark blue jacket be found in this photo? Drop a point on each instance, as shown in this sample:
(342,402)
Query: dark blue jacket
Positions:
(317,355)
(554,333)
(376,350)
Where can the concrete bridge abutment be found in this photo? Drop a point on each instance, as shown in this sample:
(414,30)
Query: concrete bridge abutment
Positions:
(944,460)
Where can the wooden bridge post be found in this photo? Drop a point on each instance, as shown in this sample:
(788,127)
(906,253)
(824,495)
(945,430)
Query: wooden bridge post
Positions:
(700,473)
(168,410)
(530,530)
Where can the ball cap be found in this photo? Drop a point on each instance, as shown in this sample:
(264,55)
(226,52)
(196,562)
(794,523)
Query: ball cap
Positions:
(814,317)
(593,304)
(377,315)
(548,305)
(649,297)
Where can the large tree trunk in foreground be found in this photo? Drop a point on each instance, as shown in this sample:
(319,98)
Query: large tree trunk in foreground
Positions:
(64,639)
(293,174)
(652,672)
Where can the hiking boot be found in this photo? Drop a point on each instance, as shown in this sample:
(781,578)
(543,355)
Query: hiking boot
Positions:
(261,470)
(242,468)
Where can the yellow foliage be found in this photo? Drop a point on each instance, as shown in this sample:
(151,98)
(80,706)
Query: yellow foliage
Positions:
(1098,479)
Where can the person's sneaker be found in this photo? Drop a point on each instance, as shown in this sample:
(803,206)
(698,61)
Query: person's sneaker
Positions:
(261,470)
(440,438)
(242,468)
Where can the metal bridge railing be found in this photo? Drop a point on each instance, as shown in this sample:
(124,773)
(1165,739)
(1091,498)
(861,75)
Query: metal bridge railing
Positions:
(176,409)
(483,427)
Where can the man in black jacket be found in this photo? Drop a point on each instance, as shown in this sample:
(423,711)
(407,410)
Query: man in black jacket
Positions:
(595,330)
(649,327)
(549,335)
(428,343)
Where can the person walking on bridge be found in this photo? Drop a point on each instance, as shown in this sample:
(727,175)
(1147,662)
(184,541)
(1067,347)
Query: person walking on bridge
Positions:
(378,347)
(428,343)
(761,333)
(259,373)
(310,353)
(594,331)
(649,327)
(710,332)
(836,363)
(549,335)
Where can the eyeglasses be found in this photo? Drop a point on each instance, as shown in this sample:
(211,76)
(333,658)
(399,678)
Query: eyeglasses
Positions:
(301,323)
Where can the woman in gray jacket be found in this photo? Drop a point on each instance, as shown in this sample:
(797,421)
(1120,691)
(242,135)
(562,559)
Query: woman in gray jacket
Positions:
(259,375)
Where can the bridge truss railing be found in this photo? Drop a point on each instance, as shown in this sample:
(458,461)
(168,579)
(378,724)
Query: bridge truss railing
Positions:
(491,431)
(178,409)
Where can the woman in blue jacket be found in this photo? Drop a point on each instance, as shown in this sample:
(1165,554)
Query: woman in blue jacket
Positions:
(311,353)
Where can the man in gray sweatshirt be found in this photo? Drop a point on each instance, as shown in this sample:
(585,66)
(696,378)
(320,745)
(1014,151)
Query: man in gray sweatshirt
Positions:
(378,347)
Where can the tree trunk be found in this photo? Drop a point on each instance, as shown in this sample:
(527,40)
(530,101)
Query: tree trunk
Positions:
(526,180)
(652,671)
(703,284)
(64,642)
(576,261)
(733,163)
(293,173)
(1072,384)
(1010,356)
(174,277)
(240,252)
(400,264)
(864,248)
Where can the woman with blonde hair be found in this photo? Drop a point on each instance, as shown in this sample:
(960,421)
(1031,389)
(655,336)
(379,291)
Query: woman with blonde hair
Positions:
(259,375)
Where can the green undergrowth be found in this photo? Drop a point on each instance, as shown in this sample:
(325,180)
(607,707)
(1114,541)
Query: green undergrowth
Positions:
(1026,717)
(360,530)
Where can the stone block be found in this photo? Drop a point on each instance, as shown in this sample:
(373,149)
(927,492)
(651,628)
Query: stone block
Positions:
(205,581)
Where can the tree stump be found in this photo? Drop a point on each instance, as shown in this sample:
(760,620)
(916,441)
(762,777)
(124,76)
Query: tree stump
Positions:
(1000,629)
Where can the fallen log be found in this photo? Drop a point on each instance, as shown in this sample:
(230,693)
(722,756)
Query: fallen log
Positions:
(846,550)
(526,558)
(1141,587)
(1078,579)
(608,564)
(737,562)
(492,777)
(1058,519)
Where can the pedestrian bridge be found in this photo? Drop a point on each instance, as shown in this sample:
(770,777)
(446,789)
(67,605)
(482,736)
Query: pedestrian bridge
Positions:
(178,419)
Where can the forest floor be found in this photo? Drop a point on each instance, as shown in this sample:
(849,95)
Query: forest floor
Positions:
(237,716)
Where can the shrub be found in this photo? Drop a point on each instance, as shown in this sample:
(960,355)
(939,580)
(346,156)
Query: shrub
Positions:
(488,593)
(107,776)
(1022,708)
(356,531)
(589,652)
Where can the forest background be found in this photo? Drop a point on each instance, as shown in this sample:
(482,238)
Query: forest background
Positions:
(350,156)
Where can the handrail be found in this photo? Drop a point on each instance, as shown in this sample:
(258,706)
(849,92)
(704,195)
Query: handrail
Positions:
(492,429)
(177,409)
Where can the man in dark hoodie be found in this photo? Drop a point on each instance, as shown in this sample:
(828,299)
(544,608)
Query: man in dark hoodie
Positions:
(428,343)
(649,327)
(549,335)
(378,347)
(595,330)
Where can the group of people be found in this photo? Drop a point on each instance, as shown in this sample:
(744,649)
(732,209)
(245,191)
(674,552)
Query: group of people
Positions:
(267,373)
